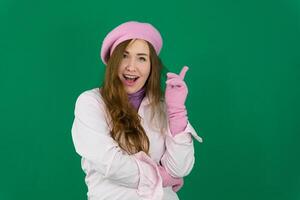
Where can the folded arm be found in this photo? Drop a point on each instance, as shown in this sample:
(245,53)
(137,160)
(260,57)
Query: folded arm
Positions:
(92,141)
(179,158)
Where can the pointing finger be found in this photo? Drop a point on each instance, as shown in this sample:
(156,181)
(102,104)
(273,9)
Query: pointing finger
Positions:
(183,71)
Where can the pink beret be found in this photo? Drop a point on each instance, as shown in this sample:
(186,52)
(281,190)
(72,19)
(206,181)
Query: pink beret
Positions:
(130,30)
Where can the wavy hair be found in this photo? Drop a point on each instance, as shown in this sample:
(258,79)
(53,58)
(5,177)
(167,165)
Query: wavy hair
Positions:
(125,122)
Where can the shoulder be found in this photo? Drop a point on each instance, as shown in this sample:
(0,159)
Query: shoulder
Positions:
(89,99)
(90,94)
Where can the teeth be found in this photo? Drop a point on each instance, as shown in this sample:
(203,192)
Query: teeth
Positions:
(130,76)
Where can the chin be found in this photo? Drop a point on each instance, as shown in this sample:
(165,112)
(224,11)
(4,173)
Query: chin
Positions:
(132,90)
(129,90)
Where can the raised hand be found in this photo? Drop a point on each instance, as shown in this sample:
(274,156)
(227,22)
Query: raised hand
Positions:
(175,96)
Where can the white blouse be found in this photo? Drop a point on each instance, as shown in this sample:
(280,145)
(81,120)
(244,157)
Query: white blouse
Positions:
(113,174)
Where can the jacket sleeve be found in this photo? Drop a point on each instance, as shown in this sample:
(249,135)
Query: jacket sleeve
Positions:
(92,141)
(179,158)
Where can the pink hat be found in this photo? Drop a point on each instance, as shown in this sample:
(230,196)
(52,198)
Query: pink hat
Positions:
(130,30)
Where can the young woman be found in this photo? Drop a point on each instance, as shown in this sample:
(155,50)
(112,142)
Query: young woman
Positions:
(134,140)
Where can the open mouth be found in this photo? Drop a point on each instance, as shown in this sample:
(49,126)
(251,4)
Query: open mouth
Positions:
(130,78)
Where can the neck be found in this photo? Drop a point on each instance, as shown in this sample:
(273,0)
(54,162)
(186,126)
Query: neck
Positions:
(136,98)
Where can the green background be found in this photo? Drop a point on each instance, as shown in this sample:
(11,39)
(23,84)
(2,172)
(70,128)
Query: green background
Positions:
(244,94)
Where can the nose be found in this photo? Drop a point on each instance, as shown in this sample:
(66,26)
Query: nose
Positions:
(130,65)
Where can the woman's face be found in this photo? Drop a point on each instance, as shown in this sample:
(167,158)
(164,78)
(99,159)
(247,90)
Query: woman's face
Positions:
(135,66)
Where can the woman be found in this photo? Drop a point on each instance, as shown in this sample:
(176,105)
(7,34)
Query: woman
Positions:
(135,142)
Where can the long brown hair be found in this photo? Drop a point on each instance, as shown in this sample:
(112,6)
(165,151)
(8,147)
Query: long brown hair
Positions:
(125,123)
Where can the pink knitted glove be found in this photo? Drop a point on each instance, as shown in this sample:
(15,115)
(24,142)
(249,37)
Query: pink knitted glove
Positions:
(168,180)
(175,96)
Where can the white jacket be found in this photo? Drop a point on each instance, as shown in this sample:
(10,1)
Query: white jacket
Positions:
(113,174)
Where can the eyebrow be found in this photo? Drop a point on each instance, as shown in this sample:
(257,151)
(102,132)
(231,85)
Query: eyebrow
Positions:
(139,54)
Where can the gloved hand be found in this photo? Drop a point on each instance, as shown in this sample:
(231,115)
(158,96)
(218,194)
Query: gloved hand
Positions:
(175,96)
(168,180)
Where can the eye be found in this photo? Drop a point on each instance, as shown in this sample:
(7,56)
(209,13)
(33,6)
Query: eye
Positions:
(142,59)
(124,55)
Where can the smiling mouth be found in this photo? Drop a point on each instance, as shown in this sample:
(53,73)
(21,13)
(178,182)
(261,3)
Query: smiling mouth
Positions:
(130,78)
